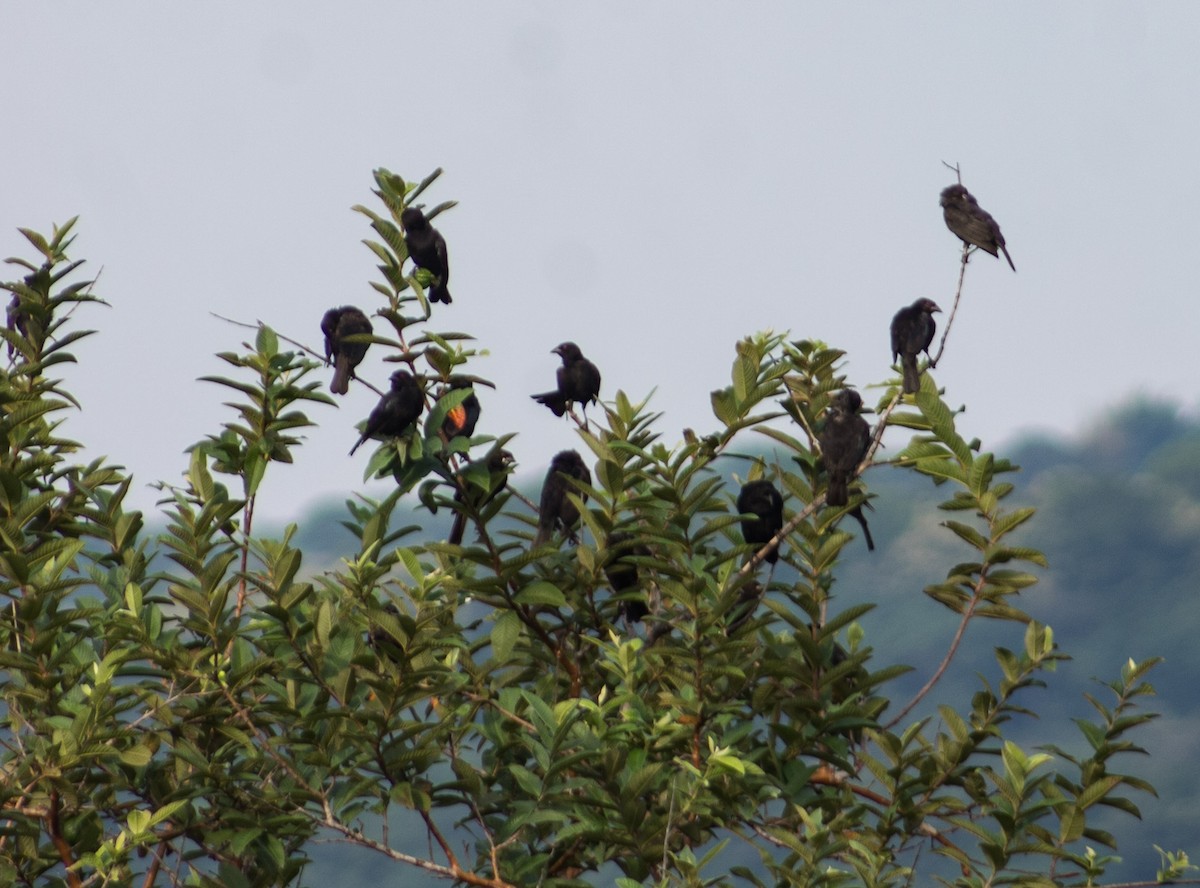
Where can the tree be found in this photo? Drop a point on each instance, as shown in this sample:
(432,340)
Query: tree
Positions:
(202,718)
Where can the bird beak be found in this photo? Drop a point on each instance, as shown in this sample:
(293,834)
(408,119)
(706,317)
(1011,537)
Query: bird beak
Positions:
(557,350)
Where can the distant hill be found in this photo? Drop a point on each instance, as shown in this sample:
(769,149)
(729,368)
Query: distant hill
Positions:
(1119,520)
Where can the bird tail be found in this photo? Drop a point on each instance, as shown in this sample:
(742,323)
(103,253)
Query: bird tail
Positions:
(857,514)
(912,379)
(838,494)
(341,377)
(456,530)
(543,536)
(554,400)
(439,292)
(1008,257)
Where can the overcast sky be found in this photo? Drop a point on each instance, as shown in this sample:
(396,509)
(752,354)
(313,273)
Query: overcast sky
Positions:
(651,180)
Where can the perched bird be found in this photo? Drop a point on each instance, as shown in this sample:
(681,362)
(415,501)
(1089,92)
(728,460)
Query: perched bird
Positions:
(622,573)
(912,332)
(462,418)
(845,439)
(578,381)
(973,224)
(762,500)
(556,511)
(427,249)
(396,410)
(338,324)
(498,463)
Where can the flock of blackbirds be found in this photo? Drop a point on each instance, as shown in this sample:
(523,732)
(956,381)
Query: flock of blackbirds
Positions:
(844,437)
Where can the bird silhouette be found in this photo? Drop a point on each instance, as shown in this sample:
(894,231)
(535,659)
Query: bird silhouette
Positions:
(578,381)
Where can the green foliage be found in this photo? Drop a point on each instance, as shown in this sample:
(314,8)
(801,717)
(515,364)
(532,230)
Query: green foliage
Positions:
(204,723)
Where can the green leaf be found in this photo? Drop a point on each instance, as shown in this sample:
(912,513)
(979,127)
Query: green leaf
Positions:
(505,632)
(542,593)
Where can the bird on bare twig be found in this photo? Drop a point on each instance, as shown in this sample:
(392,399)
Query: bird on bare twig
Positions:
(972,223)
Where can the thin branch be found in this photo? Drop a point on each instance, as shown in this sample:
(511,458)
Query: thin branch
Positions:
(155,865)
(320,356)
(479,698)
(962,272)
(54,829)
(944,665)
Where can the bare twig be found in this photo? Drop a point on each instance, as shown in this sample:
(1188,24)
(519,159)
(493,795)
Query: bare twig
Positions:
(962,272)
(320,356)
(957,640)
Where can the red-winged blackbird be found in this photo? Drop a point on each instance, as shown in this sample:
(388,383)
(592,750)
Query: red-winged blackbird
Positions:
(498,463)
(622,573)
(912,332)
(337,324)
(845,440)
(461,419)
(972,223)
(396,410)
(762,500)
(578,381)
(556,511)
(427,249)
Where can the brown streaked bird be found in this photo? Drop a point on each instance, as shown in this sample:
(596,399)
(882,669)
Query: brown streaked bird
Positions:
(396,411)
(972,223)
(498,464)
(556,512)
(845,439)
(912,331)
(427,249)
(762,500)
(337,325)
(578,381)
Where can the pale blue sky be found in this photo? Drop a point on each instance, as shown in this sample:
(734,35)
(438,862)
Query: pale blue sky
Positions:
(651,180)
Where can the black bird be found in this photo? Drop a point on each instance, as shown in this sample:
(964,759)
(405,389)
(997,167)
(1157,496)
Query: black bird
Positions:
(912,332)
(396,410)
(427,249)
(578,381)
(556,511)
(337,324)
(460,421)
(845,439)
(498,463)
(972,223)
(622,573)
(762,500)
